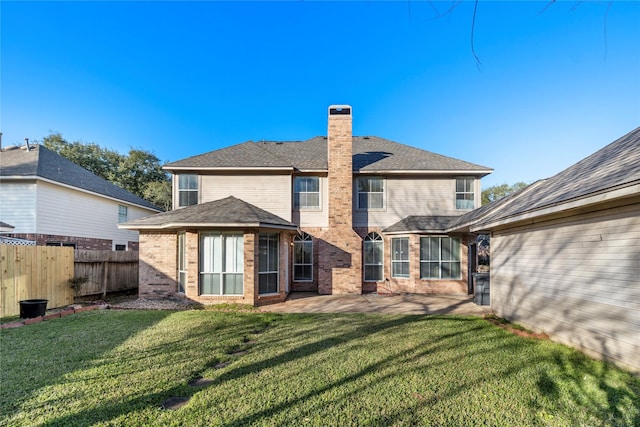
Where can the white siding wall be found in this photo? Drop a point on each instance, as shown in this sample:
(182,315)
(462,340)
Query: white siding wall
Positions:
(272,193)
(18,205)
(411,196)
(67,212)
(577,279)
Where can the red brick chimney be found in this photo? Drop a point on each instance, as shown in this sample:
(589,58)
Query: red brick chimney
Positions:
(340,247)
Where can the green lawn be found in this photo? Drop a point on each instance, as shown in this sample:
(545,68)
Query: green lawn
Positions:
(113,367)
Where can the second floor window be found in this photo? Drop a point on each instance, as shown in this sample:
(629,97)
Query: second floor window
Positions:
(187,190)
(123,213)
(306,192)
(464,193)
(370,192)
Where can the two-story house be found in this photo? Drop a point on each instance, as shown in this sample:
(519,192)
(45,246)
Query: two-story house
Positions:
(49,200)
(336,215)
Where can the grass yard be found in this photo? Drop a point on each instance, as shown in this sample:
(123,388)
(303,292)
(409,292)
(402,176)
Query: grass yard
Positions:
(112,367)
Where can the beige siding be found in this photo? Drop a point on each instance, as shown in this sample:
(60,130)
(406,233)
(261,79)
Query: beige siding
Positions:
(67,212)
(577,279)
(405,196)
(315,218)
(18,205)
(269,192)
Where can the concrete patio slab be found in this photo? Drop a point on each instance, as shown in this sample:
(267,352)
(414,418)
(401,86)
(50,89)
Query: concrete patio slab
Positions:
(304,302)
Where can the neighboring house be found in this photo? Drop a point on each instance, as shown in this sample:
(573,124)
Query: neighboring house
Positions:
(565,253)
(52,201)
(334,215)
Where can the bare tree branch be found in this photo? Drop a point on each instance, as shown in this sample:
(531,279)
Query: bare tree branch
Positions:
(473,28)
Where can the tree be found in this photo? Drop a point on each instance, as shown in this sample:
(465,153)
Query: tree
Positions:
(159,193)
(139,172)
(496,192)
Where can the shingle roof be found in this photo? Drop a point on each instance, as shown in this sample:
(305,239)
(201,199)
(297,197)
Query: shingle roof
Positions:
(370,154)
(39,161)
(418,223)
(229,212)
(4,226)
(615,166)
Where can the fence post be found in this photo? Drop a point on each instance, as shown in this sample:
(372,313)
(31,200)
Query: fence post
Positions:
(105,279)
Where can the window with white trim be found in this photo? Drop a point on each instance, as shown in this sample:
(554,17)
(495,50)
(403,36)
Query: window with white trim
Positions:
(221,264)
(370,192)
(303,258)
(440,258)
(123,213)
(187,190)
(400,257)
(373,258)
(268,263)
(182,262)
(465,198)
(306,192)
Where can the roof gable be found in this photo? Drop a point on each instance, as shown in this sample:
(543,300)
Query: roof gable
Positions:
(41,162)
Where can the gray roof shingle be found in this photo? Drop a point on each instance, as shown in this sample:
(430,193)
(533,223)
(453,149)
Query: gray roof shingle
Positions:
(370,154)
(229,212)
(615,166)
(39,161)
(421,223)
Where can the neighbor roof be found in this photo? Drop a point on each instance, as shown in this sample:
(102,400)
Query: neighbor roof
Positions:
(39,161)
(229,212)
(418,223)
(615,167)
(370,154)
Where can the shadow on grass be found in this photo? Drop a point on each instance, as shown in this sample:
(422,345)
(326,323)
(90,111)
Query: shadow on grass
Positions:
(45,347)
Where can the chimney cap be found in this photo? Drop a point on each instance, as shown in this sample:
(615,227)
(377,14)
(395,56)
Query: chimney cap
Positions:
(339,110)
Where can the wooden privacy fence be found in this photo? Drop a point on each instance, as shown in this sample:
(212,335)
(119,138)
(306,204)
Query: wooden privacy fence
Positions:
(106,271)
(34,272)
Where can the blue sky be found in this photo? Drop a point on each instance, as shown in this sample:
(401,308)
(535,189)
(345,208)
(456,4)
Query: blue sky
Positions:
(555,83)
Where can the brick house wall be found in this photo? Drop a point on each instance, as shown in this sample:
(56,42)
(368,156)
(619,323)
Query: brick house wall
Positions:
(84,243)
(157,264)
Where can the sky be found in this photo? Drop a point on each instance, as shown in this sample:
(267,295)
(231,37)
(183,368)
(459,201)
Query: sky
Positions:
(555,81)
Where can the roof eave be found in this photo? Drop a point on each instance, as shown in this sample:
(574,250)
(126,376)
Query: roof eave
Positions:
(82,190)
(425,231)
(203,225)
(582,202)
(479,172)
(230,169)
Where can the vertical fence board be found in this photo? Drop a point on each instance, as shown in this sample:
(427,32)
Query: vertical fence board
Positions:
(106,271)
(28,272)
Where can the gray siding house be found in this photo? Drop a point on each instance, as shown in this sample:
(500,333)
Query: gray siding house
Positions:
(565,253)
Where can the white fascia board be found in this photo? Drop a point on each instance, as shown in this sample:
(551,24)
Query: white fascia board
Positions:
(433,232)
(82,190)
(177,225)
(231,169)
(481,172)
(601,197)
